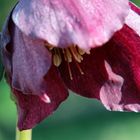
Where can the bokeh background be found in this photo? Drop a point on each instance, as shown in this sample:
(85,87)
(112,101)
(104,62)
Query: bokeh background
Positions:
(77,118)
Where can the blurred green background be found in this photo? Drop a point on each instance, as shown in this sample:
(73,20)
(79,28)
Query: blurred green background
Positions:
(77,118)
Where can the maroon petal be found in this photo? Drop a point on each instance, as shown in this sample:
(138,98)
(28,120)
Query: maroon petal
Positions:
(135,8)
(30,62)
(111,73)
(32,109)
(122,54)
(89,83)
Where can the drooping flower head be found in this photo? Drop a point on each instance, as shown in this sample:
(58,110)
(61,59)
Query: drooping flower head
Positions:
(88,46)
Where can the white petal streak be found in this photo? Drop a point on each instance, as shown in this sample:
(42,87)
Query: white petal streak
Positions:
(133,21)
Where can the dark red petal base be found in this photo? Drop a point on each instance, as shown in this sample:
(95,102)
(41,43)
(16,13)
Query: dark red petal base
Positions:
(32,109)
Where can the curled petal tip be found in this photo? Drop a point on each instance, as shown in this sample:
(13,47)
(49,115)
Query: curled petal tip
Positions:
(45,98)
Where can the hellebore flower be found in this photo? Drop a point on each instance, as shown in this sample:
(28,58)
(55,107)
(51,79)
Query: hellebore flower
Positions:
(91,47)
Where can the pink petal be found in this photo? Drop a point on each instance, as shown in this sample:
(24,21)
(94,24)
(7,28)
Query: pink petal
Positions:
(133,19)
(87,23)
(122,91)
(32,110)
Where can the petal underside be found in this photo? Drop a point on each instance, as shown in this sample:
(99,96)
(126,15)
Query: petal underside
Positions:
(30,63)
(87,23)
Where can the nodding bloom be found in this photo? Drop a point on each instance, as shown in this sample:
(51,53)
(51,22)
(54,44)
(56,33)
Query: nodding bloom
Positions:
(91,47)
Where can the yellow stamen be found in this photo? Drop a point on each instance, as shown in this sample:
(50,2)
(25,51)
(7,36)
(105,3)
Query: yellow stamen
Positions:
(76,55)
(81,52)
(69,54)
(57,58)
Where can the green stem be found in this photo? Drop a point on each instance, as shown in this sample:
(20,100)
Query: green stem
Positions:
(24,135)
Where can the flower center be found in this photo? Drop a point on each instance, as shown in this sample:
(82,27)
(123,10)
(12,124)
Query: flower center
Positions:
(70,54)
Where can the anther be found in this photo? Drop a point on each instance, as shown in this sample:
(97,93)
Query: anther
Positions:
(57,58)
(76,55)
(68,55)
(72,53)
(81,52)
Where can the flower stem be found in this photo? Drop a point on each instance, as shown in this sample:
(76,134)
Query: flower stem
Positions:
(24,135)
